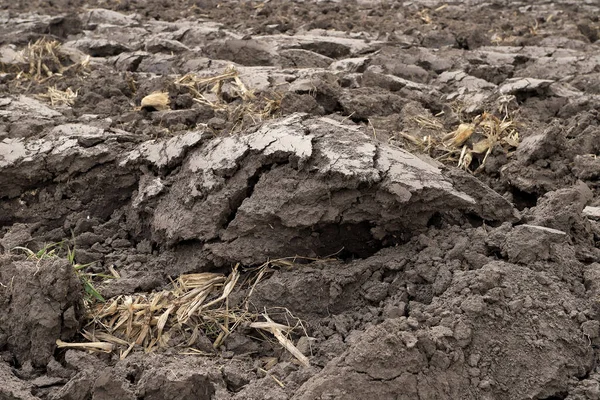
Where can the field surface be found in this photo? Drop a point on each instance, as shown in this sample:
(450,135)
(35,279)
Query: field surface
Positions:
(305,200)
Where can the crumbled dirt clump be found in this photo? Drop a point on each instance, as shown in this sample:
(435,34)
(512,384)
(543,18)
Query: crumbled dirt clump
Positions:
(396,200)
(41,303)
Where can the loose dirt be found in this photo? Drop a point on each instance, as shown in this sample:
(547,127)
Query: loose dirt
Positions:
(405,194)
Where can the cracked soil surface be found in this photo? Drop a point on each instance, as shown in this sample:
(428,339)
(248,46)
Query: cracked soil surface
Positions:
(413,278)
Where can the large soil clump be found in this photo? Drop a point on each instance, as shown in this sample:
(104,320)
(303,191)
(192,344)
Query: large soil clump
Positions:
(311,200)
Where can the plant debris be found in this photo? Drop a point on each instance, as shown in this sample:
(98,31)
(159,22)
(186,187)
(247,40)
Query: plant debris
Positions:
(59,97)
(45,59)
(197,304)
(227,93)
(470,141)
(156,101)
(54,250)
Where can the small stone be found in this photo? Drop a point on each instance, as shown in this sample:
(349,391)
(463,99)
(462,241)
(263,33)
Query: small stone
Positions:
(528,243)
(440,360)
(543,279)
(375,291)
(98,16)
(304,345)
(234,377)
(145,247)
(300,58)
(18,235)
(162,45)
(439,332)
(515,305)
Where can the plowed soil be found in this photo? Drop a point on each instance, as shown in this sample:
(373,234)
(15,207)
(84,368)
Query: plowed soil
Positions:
(315,149)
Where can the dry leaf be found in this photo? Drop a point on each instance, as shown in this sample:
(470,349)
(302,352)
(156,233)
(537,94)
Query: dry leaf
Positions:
(460,135)
(482,146)
(158,101)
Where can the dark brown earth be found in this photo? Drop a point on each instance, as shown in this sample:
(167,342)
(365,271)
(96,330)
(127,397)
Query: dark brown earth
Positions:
(415,279)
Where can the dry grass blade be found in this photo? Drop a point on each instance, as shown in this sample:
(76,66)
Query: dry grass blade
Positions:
(277,331)
(198,84)
(266,372)
(45,59)
(198,305)
(412,139)
(270,362)
(460,135)
(104,337)
(193,281)
(430,123)
(465,158)
(261,272)
(229,285)
(497,133)
(470,144)
(482,146)
(269,325)
(114,272)
(271,106)
(193,290)
(245,94)
(424,15)
(144,320)
(195,352)
(59,97)
(92,346)
(124,353)
(227,92)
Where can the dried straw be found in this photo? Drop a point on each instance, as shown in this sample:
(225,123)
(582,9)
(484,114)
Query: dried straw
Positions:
(476,139)
(243,104)
(156,101)
(59,97)
(197,303)
(44,59)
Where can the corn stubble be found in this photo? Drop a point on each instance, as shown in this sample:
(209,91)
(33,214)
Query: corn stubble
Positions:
(469,142)
(246,108)
(45,59)
(198,304)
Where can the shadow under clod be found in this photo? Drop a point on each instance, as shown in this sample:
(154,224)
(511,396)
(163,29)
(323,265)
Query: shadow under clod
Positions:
(348,241)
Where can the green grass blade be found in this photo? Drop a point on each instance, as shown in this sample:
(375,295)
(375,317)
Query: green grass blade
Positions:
(27,251)
(91,290)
